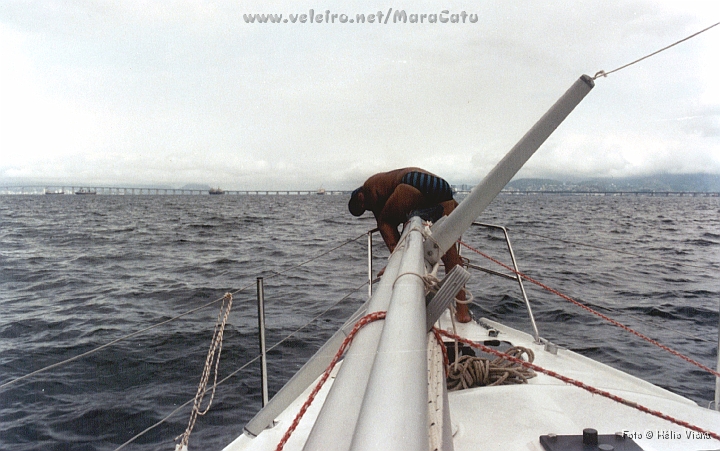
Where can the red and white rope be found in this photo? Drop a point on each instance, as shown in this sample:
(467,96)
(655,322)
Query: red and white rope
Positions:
(367,319)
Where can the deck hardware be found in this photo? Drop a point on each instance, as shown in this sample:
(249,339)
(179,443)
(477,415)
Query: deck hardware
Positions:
(590,437)
(432,253)
(589,440)
(552,348)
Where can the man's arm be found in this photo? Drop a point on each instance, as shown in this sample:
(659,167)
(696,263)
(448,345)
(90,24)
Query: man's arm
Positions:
(401,202)
(390,234)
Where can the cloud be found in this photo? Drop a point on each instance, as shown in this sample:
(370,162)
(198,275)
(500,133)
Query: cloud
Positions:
(179,92)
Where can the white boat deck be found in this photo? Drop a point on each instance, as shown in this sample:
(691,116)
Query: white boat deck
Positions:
(514,417)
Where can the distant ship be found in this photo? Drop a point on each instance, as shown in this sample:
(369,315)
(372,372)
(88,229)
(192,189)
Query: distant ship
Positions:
(85,191)
(216,191)
(321,191)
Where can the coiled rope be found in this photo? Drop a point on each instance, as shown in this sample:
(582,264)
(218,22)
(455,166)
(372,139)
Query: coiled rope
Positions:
(594,312)
(579,384)
(470,371)
(215,346)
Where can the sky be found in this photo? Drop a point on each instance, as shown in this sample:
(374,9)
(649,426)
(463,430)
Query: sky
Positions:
(175,92)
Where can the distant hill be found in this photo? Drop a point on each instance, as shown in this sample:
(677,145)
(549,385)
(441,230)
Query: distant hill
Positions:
(664,182)
(707,183)
(537,185)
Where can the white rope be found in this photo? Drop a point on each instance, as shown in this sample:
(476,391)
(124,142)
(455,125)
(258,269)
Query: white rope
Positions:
(215,346)
(404,237)
(468,297)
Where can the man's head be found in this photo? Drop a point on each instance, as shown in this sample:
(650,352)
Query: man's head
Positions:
(357,202)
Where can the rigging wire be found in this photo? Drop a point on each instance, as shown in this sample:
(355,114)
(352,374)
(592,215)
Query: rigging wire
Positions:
(640,319)
(602,73)
(99,348)
(595,312)
(138,332)
(223,380)
(346,242)
(644,257)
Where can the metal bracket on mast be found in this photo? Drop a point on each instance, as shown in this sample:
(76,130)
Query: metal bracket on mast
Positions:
(431,247)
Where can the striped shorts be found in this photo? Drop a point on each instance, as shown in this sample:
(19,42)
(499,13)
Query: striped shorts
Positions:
(434,188)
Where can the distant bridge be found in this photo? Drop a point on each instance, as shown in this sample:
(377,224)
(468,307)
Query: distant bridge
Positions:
(121,191)
(107,190)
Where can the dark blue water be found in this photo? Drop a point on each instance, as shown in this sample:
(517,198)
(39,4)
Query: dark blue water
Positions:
(79,271)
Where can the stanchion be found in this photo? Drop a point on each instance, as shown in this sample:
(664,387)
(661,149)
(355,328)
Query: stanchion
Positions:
(261,329)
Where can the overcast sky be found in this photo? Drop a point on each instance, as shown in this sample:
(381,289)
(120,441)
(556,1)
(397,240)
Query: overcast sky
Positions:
(176,92)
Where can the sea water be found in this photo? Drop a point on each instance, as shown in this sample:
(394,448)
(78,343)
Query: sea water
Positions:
(77,272)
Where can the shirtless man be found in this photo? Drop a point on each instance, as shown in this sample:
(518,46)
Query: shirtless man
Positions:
(391,196)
